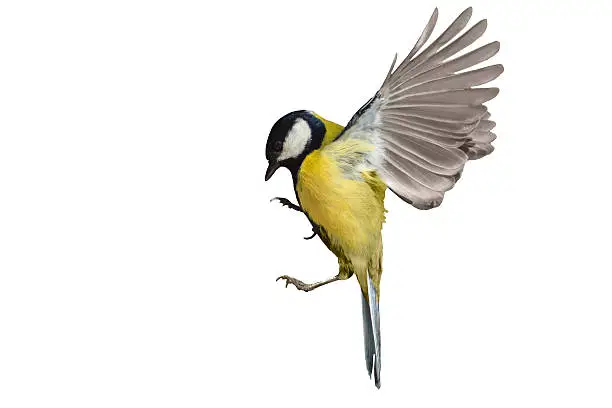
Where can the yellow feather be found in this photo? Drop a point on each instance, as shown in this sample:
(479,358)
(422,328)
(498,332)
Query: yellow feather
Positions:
(332,130)
(351,211)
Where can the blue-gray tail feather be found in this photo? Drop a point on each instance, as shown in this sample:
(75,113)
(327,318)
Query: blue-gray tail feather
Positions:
(375,318)
(371,332)
(368,336)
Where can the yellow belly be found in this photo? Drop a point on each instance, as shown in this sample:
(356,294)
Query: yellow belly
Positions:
(350,211)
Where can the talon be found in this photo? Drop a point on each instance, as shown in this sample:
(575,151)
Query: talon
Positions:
(314,234)
(287,203)
(315,231)
(299,285)
(286,279)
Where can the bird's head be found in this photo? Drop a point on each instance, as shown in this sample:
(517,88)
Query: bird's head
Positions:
(291,139)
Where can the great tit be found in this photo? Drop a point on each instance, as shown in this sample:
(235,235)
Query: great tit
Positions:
(413,136)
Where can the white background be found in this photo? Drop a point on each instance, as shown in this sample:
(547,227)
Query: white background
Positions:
(138,249)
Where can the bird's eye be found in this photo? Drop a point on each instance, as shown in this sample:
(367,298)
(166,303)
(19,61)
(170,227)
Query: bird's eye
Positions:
(277,146)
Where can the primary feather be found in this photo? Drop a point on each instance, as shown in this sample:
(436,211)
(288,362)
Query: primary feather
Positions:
(428,118)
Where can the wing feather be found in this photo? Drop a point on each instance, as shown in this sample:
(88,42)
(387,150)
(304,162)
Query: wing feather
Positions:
(448,158)
(451,82)
(443,141)
(446,114)
(457,128)
(460,63)
(426,178)
(407,188)
(422,163)
(429,117)
(453,48)
(450,33)
(431,24)
(483,137)
(457,97)
(485,125)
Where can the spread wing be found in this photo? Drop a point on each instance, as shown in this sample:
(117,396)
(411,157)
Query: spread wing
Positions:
(428,119)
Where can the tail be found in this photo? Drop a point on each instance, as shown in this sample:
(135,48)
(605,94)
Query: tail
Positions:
(371,331)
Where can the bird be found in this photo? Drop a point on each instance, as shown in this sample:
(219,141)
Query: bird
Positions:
(413,137)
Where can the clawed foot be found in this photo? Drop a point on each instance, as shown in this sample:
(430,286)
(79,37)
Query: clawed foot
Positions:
(295,282)
(287,203)
(314,234)
(307,287)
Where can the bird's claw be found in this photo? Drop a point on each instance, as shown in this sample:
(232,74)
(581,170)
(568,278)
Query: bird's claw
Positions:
(287,203)
(315,231)
(295,282)
(279,199)
(314,234)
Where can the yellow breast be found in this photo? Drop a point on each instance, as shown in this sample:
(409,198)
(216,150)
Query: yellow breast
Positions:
(351,211)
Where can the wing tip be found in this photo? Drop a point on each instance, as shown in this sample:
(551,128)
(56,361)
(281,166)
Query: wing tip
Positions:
(494,92)
(499,69)
(434,15)
(481,26)
(390,72)
(491,49)
(468,12)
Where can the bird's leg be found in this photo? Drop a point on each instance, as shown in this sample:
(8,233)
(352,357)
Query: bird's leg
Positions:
(315,231)
(287,203)
(307,287)
(295,207)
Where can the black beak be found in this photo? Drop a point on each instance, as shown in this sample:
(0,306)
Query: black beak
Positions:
(272,167)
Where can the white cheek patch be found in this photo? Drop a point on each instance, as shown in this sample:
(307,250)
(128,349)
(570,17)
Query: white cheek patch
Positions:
(296,140)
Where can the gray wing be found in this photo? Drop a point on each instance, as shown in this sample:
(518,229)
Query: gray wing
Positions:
(428,119)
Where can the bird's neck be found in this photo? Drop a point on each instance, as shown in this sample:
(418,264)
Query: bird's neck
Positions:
(332,130)
(329,133)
